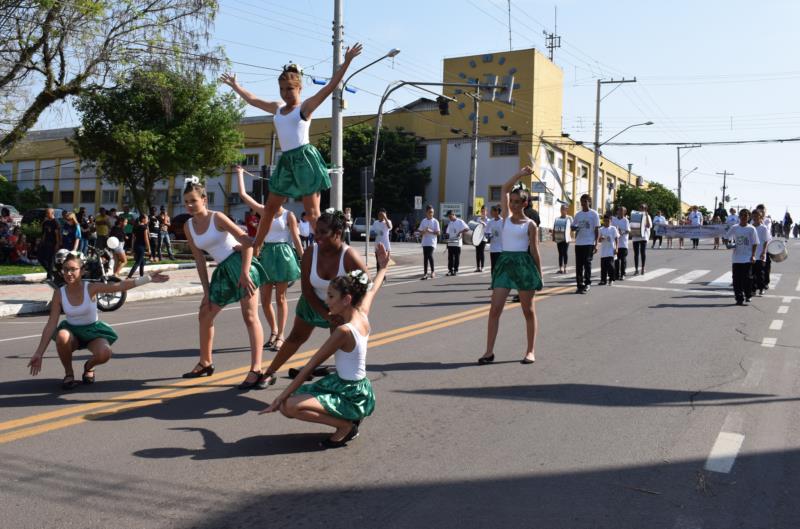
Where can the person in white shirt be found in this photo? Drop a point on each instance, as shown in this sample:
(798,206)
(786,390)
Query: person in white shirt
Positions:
(730,220)
(609,239)
(759,266)
(305,230)
(563,246)
(494,227)
(480,256)
(587,226)
(429,230)
(766,220)
(695,219)
(455,233)
(623,226)
(658,220)
(382,228)
(640,241)
(746,239)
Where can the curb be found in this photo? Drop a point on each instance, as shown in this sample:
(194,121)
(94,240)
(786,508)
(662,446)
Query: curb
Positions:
(40,276)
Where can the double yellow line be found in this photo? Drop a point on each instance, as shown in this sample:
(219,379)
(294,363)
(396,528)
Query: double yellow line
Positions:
(69,416)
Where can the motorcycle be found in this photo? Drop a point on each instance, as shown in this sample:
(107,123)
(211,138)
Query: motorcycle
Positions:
(98,266)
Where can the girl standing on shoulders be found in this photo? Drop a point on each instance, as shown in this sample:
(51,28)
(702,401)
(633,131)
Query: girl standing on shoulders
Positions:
(301,172)
(344,398)
(279,262)
(518,267)
(82,329)
(236,278)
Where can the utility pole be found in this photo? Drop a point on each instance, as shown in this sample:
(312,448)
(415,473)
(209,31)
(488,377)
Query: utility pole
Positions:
(680,177)
(473,160)
(509,25)
(337,173)
(553,41)
(725,174)
(596,167)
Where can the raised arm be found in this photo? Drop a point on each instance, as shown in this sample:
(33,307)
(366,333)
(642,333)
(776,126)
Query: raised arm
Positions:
(126,284)
(310,105)
(230,80)
(506,189)
(382,258)
(247,199)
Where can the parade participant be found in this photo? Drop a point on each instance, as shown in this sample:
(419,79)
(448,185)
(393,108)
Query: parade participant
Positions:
(587,225)
(279,262)
(746,239)
(480,250)
(348,225)
(70,233)
(759,265)
(382,228)
(669,237)
(716,220)
(301,172)
(344,398)
(118,231)
(305,230)
(766,220)
(563,246)
(429,229)
(82,328)
(609,244)
(326,259)
(455,230)
(659,220)
(50,243)
(623,226)
(787,224)
(140,239)
(494,227)
(732,218)
(695,219)
(640,241)
(236,278)
(518,267)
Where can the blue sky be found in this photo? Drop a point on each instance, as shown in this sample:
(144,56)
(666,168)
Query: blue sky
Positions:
(707,71)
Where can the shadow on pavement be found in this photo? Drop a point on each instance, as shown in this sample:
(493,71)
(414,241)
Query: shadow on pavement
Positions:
(691,305)
(48,392)
(422,366)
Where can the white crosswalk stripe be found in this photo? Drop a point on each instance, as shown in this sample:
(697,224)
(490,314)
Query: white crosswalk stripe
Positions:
(688,277)
(774,279)
(652,274)
(723,281)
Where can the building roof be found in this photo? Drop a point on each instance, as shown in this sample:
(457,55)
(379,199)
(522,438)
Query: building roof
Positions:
(50,134)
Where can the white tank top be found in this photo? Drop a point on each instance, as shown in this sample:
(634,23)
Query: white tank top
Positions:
(292,129)
(279,231)
(352,365)
(321,285)
(83,314)
(219,244)
(515,236)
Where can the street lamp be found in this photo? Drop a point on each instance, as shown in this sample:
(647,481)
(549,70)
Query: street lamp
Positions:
(680,178)
(337,172)
(596,186)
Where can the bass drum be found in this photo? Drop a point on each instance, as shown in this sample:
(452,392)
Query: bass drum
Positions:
(477,234)
(637,224)
(777,250)
(113,300)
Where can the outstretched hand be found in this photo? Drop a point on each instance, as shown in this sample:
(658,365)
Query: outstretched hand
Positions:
(35,364)
(381,256)
(229,79)
(353,52)
(272,408)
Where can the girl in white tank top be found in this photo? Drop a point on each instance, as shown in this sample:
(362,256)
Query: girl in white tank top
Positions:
(82,328)
(301,172)
(344,398)
(518,267)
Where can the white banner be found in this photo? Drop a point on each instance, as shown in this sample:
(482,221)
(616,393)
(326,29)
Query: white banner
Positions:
(709,231)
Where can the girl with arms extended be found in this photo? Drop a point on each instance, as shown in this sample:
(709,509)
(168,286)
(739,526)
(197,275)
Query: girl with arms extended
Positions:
(82,329)
(236,278)
(518,267)
(301,172)
(344,398)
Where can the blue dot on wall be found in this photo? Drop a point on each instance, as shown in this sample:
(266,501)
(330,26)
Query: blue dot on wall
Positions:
(472,64)
(488,57)
(512,71)
(462,75)
(461,106)
(472,116)
(501,61)
(458,91)
(516,86)
(485,120)
(501,114)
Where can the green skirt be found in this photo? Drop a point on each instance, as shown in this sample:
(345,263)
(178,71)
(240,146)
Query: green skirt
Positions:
(86,333)
(351,400)
(300,172)
(224,288)
(279,262)
(516,271)
(305,312)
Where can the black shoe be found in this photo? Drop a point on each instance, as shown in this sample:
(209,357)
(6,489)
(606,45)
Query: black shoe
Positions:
(294,372)
(250,385)
(582,291)
(271,342)
(266,379)
(204,371)
(485,360)
(602,283)
(327,443)
(424,277)
(740,302)
(587,288)
(747,300)
(579,290)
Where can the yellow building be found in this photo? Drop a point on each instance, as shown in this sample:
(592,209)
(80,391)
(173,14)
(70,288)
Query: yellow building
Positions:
(519,124)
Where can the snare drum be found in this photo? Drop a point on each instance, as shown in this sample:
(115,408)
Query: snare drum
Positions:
(477,234)
(777,250)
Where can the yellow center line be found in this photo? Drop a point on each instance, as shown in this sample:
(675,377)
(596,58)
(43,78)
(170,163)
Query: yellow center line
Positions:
(75,414)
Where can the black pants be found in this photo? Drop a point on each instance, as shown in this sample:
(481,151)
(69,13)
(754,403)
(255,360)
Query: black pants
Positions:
(759,275)
(621,263)
(346,236)
(139,253)
(427,257)
(658,238)
(742,281)
(45,256)
(767,270)
(695,243)
(583,264)
(453,258)
(639,248)
(563,253)
(480,257)
(606,269)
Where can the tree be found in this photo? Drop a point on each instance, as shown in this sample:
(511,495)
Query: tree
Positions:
(32,198)
(160,123)
(398,178)
(655,195)
(54,49)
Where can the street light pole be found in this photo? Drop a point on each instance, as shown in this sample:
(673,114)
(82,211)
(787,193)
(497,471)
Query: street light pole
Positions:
(336,112)
(473,162)
(680,178)
(597,144)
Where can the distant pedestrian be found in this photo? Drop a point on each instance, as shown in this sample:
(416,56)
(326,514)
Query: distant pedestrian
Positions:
(70,233)
(759,265)
(163,235)
(455,230)
(564,222)
(140,239)
(118,231)
(623,226)
(153,229)
(50,242)
(695,219)
(305,230)
(383,229)
(587,227)
(429,231)
(348,225)
(494,228)
(767,221)
(480,255)
(640,240)
(609,241)
(658,220)
(746,239)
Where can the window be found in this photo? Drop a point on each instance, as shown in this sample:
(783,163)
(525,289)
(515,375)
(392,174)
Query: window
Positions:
(67,197)
(48,197)
(110,196)
(584,171)
(160,196)
(211,198)
(494,193)
(551,157)
(421,152)
(571,166)
(88,196)
(505,148)
(251,159)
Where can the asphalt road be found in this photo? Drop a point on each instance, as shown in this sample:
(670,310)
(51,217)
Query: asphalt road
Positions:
(655,403)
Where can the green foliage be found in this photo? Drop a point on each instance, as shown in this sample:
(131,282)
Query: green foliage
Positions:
(656,196)
(32,230)
(398,178)
(158,123)
(8,191)
(31,198)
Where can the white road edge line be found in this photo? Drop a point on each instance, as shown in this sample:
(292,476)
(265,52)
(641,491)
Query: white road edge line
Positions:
(723,453)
